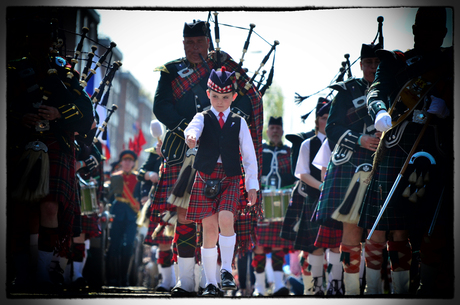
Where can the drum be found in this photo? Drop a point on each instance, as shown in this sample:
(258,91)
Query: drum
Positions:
(275,204)
(88,199)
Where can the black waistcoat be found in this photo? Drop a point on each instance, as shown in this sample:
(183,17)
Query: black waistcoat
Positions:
(315,144)
(215,141)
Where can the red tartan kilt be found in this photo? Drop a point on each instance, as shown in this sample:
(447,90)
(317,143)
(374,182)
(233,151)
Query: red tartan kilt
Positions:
(62,175)
(244,227)
(90,226)
(227,200)
(268,235)
(168,176)
(159,239)
(63,189)
(328,237)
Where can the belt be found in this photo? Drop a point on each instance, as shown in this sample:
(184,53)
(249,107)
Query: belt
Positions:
(122,199)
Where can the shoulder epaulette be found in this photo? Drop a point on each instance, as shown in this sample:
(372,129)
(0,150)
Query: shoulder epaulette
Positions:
(342,85)
(161,69)
(164,68)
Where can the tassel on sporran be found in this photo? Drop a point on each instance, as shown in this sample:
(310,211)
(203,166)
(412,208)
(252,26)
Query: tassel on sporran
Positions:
(180,194)
(350,208)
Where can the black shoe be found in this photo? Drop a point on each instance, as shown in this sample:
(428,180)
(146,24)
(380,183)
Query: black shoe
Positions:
(227,280)
(200,291)
(179,292)
(282,291)
(161,289)
(79,283)
(56,274)
(212,291)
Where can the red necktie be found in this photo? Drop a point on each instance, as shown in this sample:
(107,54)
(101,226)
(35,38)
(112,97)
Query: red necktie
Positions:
(221,120)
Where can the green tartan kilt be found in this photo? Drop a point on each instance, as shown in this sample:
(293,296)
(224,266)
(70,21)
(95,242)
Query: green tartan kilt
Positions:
(308,230)
(401,213)
(293,214)
(336,183)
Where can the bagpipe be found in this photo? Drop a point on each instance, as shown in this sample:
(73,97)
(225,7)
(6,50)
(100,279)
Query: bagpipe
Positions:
(344,69)
(181,190)
(413,93)
(349,209)
(101,94)
(266,83)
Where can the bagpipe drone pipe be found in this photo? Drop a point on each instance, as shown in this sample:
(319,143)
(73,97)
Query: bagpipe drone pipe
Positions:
(344,69)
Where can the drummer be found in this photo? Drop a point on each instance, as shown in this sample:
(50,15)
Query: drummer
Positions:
(276,174)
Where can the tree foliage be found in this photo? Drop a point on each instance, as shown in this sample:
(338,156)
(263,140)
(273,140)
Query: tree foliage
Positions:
(273,105)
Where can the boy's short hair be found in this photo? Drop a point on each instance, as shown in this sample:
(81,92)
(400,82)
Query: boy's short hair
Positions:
(222,81)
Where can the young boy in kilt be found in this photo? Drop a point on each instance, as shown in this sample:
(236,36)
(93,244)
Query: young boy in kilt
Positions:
(224,141)
(312,256)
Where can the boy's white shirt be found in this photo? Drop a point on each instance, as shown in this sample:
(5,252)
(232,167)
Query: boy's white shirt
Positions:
(323,156)
(303,161)
(195,128)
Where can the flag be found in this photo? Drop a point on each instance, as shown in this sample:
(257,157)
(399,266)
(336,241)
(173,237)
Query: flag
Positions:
(131,145)
(137,143)
(141,139)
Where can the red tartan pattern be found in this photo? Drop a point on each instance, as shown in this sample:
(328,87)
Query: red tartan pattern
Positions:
(268,235)
(159,239)
(244,229)
(255,126)
(284,161)
(165,257)
(202,207)
(62,187)
(183,229)
(159,203)
(168,176)
(181,85)
(328,237)
(304,265)
(90,226)
(258,262)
